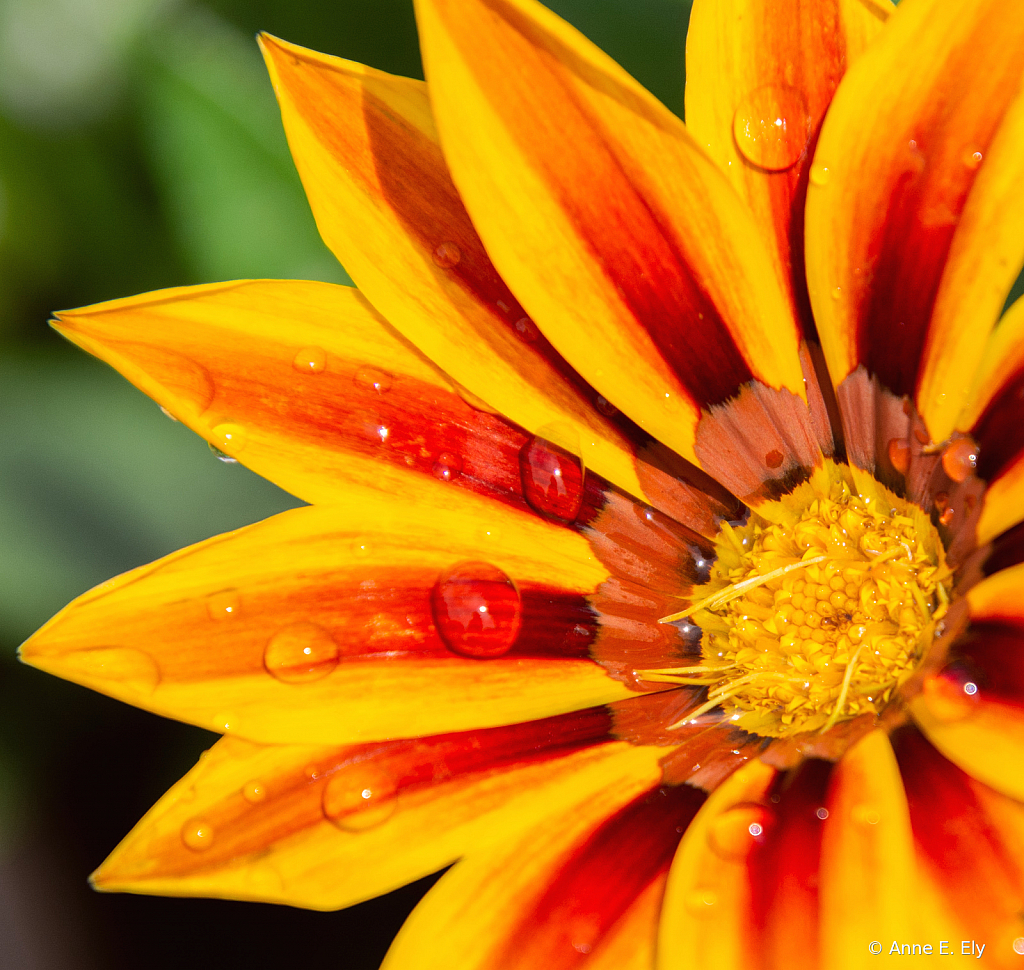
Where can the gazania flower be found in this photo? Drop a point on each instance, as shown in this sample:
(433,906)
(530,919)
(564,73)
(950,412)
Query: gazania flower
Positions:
(662,568)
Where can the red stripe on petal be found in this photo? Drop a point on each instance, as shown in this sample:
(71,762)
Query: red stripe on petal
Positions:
(999,432)
(601,879)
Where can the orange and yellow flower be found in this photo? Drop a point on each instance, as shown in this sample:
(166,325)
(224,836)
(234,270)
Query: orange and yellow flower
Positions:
(663,565)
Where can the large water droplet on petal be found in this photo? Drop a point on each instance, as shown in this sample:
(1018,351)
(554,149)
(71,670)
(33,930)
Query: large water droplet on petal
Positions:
(229,439)
(447,255)
(254,792)
(300,652)
(310,360)
(477,609)
(447,466)
(738,829)
(552,479)
(223,605)
(360,798)
(771,127)
(197,834)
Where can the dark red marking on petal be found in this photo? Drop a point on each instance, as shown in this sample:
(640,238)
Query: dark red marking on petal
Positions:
(784,869)
(993,655)
(599,881)
(907,254)
(294,801)
(999,431)
(976,868)
(1007,550)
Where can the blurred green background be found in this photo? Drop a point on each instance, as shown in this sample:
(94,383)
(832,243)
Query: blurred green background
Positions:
(140,147)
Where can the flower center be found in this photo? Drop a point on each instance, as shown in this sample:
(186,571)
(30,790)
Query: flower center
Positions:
(819,612)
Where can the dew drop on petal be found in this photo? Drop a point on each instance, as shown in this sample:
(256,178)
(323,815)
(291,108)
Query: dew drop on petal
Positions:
(526,330)
(951,695)
(863,814)
(167,414)
(771,127)
(197,834)
(737,830)
(972,158)
(1018,945)
(774,458)
(371,379)
(584,930)
(223,605)
(447,255)
(300,653)
(222,456)
(899,454)
(819,175)
(552,479)
(960,459)
(701,902)
(447,466)
(359,798)
(254,792)
(228,438)
(822,813)
(310,360)
(361,549)
(606,407)
(477,610)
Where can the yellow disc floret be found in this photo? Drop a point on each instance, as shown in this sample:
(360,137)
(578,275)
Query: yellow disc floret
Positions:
(817,612)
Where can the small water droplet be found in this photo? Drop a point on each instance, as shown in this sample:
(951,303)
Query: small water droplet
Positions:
(360,798)
(819,175)
(222,456)
(837,293)
(477,609)
(447,255)
(771,127)
(899,454)
(527,330)
(223,721)
(960,459)
(584,930)
(167,414)
(229,439)
(254,792)
(310,360)
(865,815)
(972,158)
(300,653)
(606,407)
(552,479)
(1018,945)
(223,604)
(197,834)
(774,458)
(312,772)
(447,467)
(701,902)
(737,830)
(371,379)
(822,813)
(362,549)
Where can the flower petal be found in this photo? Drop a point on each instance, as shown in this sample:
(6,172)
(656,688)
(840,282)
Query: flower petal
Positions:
(868,877)
(901,203)
(320,625)
(315,826)
(705,919)
(970,841)
(365,146)
(759,77)
(990,418)
(564,886)
(304,383)
(620,238)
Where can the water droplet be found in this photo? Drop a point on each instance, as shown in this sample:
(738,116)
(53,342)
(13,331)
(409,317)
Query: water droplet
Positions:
(254,792)
(822,813)
(371,379)
(960,459)
(552,479)
(899,454)
(584,930)
(771,127)
(167,414)
(837,293)
(197,834)
(222,456)
(361,549)
(360,798)
(865,815)
(300,652)
(311,772)
(228,438)
(527,330)
(737,830)
(819,175)
(606,407)
(447,255)
(477,609)
(224,604)
(447,467)
(972,158)
(310,360)
(774,458)
(223,721)
(952,694)
(1018,945)
(701,902)
(122,665)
